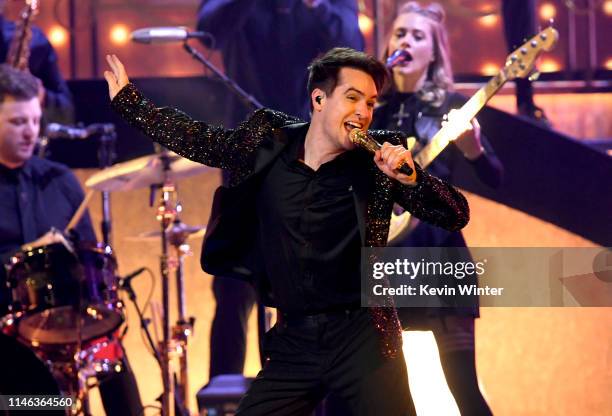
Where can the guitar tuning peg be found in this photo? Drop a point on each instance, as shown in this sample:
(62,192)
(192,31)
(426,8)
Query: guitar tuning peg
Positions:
(534,76)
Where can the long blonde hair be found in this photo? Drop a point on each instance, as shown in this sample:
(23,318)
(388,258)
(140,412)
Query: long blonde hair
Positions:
(439,73)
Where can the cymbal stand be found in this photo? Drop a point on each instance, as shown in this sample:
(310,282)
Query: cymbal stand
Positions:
(183,328)
(166,212)
(106,157)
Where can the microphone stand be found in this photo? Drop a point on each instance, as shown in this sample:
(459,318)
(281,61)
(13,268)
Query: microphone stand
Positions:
(251,102)
(144,322)
(246,98)
(166,212)
(106,157)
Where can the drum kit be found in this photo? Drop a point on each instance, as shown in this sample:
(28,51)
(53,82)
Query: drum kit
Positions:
(65,303)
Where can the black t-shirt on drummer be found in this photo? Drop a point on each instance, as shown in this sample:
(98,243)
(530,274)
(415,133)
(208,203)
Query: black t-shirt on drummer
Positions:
(33,199)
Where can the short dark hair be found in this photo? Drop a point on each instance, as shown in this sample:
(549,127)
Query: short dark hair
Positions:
(323,71)
(18,84)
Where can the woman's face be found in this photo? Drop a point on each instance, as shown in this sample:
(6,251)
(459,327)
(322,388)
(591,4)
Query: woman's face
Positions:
(412,32)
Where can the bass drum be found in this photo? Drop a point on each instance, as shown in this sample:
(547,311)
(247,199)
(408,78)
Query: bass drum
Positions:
(63,297)
(23,373)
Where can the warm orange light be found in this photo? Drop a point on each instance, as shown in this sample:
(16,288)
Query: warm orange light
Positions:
(366,24)
(608,64)
(549,65)
(119,34)
(607,7)
(488,20)
(57,36)
(547,11)
(489,68)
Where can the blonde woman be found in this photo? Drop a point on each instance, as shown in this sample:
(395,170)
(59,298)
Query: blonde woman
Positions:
(420,96)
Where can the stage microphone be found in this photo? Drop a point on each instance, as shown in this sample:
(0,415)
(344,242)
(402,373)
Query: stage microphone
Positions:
(367,142)
(165,34)
(124,282)
(60,131)
(397,58)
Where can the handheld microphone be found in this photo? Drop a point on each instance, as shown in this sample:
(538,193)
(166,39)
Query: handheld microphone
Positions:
(61,131)
(397,58)
(367,142)
(125,281)
(164,34)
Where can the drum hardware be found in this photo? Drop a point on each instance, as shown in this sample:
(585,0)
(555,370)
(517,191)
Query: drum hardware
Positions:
(143,172)
(159,172)
(64,300)
(126,285)
(190,232)
(62,296)
(173,232)
(178,234)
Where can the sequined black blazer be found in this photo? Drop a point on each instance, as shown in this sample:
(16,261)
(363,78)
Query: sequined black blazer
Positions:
(230,247)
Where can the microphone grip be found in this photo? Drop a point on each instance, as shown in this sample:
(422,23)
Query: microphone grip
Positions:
(365,141)
(405,169)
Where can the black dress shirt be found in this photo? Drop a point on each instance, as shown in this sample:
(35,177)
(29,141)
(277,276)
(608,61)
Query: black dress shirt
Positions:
(39,195)
(308,233)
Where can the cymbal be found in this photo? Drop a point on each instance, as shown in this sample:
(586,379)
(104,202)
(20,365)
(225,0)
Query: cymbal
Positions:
(187,231)
(142,172)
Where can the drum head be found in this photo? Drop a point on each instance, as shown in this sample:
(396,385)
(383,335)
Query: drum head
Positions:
(61,326)
(65,297)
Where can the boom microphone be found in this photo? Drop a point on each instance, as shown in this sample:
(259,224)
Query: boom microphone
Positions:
(166,34)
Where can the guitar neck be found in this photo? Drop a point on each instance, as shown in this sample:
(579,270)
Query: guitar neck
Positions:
(467,112)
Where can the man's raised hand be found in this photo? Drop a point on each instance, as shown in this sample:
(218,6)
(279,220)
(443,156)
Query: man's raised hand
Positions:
(116,78)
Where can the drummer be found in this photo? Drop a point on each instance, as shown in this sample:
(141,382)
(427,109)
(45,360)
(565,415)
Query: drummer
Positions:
(36,195)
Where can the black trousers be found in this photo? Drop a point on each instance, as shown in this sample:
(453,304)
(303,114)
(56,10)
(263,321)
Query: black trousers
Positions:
(341,354)
(455,338)
(235,299)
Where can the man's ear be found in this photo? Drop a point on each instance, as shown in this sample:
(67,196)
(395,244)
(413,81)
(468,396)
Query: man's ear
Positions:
(317,97)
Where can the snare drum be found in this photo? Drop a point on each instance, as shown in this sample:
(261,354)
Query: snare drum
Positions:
(64,297)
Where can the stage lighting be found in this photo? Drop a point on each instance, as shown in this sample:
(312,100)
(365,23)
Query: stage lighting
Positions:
(489,69)
(57,36)
(365,24)
(548,11)
(119,34)
(489,20)
(549,65)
